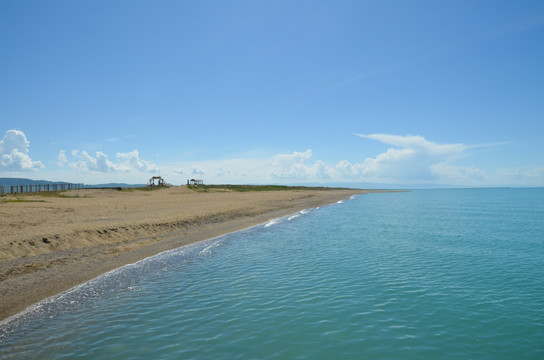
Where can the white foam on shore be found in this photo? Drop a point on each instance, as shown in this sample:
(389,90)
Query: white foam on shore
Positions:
(212,245)
(273,222)
(287,218)
(299,214)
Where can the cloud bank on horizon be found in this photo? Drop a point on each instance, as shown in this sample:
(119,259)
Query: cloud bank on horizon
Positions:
(408,160)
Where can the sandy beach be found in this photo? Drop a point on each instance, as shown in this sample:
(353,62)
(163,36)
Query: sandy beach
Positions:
(51,242)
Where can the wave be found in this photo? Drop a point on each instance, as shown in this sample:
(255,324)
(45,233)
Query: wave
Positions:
(273,222)
(214,244)
(280,220)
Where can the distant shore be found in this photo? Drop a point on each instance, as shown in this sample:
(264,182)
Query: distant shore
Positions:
(52,242)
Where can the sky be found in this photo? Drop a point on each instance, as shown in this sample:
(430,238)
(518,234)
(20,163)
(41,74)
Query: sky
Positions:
(382,93)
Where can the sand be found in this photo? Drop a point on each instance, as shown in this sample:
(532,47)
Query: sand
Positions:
(49,244)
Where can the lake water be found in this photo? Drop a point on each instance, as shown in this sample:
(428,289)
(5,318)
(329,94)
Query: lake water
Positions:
(449,274)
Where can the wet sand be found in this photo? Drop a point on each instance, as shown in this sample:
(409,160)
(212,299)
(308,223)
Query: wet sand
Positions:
(49,244)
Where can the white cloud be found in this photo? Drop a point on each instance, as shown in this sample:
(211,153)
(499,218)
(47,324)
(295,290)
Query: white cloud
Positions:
(221,172)
(464,174)
(419,145)
(61,158)
(413,159)
(521,177)
(14,149)
(290,159)
(197,170)
(132,159)
(293,166)
(346,170)
(99,163)
(536,173)
(127,162)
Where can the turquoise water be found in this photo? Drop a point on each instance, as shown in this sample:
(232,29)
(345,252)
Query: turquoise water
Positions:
(449,274)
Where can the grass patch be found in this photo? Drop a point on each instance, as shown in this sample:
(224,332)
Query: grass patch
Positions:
(151,188)
(47,194)
(142,188)
(125,189)
(57,194)
(248,188)
(19,200)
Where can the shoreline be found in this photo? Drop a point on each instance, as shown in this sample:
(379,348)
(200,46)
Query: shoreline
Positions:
(6,321)
(106,229)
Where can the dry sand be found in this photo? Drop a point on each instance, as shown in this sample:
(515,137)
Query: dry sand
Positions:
(50,244)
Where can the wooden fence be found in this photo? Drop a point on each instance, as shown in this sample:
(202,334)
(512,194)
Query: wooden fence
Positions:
(17,189)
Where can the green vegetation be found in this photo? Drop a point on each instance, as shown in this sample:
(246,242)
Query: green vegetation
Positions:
(141,188)
(46,194)
(59,194)
(151,188)
(246,188)
(18,200)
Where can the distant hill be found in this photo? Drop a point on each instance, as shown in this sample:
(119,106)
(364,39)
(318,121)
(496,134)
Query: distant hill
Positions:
(6,182)
(23,181)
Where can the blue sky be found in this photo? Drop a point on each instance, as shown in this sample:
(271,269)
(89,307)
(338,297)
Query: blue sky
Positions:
(386,92)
